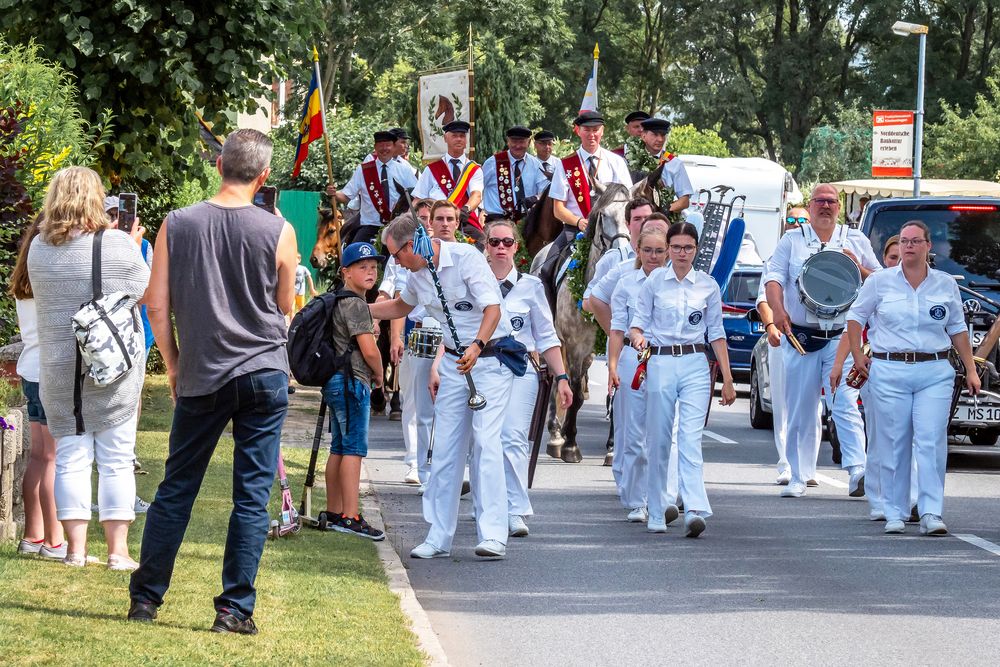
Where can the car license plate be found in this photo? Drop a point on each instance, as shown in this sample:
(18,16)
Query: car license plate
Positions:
(977,413)
(757,327)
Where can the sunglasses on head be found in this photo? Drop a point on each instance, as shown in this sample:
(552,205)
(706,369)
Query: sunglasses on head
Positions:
(495,242)
(796,221)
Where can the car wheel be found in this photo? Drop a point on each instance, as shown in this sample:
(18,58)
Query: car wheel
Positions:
(984,437)
(759,418)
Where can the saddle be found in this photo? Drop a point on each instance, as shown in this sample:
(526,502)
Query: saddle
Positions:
(553,270)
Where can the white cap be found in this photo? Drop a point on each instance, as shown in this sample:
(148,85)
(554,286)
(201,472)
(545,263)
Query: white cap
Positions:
(110,202)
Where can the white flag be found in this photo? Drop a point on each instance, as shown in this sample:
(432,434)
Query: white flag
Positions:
(590,97)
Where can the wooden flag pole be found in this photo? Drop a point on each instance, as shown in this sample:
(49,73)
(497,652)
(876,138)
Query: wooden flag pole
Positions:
(472,100)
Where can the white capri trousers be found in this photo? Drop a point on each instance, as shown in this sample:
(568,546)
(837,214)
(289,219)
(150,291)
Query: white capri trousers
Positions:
(847,418)
(516,448)
(418,412)
(114,449)
(678,390)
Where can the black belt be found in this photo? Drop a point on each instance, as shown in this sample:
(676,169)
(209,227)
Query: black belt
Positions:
(911,357)
(677,350)
(489,350)
(817,333)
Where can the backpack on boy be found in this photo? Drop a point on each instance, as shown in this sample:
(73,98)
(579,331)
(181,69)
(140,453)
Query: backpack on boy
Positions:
(312,357)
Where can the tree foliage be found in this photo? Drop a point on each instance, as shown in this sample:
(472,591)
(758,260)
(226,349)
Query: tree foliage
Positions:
(838,151)
(969,146)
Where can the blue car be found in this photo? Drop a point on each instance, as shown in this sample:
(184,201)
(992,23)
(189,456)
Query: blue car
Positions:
(741,334)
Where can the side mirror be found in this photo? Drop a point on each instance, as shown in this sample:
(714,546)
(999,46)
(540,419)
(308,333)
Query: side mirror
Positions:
(753,315)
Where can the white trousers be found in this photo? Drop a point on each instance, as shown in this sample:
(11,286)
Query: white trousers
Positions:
(677,394)
(847,418)
(418,412)
(114,449)
(874,459)
(457,427)
(911,404)
(776,371)
(514,436)
(805,377)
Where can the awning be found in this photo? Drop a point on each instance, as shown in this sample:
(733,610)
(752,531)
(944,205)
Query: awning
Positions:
(903,187)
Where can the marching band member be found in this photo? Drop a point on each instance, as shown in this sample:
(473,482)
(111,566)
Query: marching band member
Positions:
(373,184)
(676,309)
(572,185)
(544,141)
(512,178)
(809,372)
(919,316)
(674,174)
(475,310)
(776,369)
(631,458)
(456,178)
(531,322)
(636,212)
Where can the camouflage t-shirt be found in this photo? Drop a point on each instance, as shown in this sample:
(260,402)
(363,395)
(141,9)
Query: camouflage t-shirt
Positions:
(351,317)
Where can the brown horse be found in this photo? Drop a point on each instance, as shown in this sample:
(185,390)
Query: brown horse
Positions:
(334,229)
(540,226)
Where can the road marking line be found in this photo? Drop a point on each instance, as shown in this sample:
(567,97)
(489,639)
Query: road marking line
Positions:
(820,477)
(719,438)
(979,542)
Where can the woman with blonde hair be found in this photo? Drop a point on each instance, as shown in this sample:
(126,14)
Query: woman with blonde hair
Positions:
(59,266)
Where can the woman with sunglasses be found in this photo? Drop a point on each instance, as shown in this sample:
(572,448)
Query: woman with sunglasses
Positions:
(630,404)
(531,322)
(676,309)
(919,318)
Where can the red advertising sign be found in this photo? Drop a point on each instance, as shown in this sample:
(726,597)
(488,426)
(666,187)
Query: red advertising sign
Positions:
(892,144)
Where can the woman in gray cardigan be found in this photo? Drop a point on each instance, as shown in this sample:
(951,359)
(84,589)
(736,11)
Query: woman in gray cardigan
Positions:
(59,265)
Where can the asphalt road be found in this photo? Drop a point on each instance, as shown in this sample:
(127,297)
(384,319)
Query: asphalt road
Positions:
(772,580)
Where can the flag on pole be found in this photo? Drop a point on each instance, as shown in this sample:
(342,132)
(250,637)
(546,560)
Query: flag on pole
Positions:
(590,97)
(312,126)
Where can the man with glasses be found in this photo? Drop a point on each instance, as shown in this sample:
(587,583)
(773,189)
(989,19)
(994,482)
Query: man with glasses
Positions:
(475,307)
(808,372)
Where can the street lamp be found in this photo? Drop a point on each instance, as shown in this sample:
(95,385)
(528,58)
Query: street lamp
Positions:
(903,29)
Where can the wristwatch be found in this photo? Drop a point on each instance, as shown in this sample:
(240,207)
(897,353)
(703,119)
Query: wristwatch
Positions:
(481,344)
(562,376)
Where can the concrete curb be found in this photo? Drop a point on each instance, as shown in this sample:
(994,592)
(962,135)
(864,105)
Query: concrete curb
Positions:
(399,581)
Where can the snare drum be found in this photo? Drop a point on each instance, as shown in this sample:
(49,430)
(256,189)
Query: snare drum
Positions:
(424,343)
(829,283)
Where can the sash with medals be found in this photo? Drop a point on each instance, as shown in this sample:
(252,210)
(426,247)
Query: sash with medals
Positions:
(373,185)
(576,174)
(505,183)
(457,193)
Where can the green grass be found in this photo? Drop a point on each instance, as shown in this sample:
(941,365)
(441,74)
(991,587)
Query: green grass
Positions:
(321,598)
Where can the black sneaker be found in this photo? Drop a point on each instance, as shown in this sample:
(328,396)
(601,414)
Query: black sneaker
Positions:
(330,519)
(226,622)
(360,527)
(142,612)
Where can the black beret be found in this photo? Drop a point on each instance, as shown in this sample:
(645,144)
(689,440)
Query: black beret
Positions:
(661,125)
(589,119)
(384,135)
(636,115)
(457,126)
(400,133)
(519,132)
(545,135)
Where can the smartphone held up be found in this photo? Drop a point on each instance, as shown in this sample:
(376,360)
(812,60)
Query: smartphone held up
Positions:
(128,203)
(266,198)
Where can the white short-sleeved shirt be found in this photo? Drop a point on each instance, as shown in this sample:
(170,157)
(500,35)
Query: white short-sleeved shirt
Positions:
(909,320)
(611,168)
(469,287)
(391,278)
(395,171)
(528,312)
(532,181)
(620,253)
(428,188)
(674,175)
(625,299)
(795,247)
(605,288)
(679,312)
(29,363)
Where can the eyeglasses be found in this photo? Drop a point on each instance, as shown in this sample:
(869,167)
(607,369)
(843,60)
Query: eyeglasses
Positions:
(652,251)
(824,201)
(683,249)
(913,242)
(395,255)
(495,242)
(796,221)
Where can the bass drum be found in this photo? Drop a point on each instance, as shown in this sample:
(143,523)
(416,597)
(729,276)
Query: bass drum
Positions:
(829,283)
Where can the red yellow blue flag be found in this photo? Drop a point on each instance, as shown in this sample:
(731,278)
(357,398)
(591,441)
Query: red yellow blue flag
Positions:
(312,125)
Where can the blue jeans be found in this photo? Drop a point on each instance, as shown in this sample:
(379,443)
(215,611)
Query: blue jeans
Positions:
(256,403)
(350,410)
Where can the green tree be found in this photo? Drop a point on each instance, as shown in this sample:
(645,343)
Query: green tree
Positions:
(689,140)
(966,146)
(839,151)
(153,63)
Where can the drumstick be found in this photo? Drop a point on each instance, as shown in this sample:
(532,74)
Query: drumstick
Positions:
(796,344)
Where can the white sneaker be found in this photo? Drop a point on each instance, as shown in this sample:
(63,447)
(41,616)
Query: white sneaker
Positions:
(694,524)
(784,477)
(54,553)
(932,525)
(794,490)
(29,548)
(141,506)
(118,563)
(426,550)
(421,489)
(671,514)
(516,526)
(491,549)
(655,525)
(876,515)
(856,486)
(895,527)
(412,476)
(638,515)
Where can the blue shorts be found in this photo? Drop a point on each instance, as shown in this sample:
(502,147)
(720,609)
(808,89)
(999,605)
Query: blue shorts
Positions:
(350,410)
(36,413)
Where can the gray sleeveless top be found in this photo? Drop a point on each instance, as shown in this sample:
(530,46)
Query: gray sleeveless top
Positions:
(223,294)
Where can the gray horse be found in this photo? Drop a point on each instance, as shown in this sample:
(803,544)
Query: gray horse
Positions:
(606,227)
